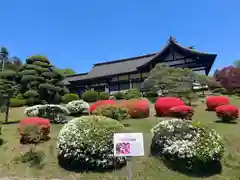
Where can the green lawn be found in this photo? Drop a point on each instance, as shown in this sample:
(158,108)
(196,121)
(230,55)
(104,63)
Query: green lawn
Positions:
(143,168)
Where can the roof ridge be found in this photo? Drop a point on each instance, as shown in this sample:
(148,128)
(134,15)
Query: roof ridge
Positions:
(78,74)
(125,59)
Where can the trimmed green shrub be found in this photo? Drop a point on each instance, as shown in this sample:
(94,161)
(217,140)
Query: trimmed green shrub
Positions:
(87,142)
(132,94)
(31,93)
(113,111)
(27,72)
(104,96)
(78,107)
(186,146)
(55,113)
(16,102)
(150,94)
(69,97)
(34,58)
(90,96)
(50,87)
(119,95)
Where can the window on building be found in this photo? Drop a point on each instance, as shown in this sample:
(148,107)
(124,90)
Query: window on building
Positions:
(123,86)
(113,87)
(79,91)
(123,77)
(99,88)
(145,74)
(135,76)
(115,78)
(136,85)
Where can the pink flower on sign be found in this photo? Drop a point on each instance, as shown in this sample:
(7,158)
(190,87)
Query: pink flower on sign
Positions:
(125,148)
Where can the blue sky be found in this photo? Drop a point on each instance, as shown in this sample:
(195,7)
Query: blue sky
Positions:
(79,33)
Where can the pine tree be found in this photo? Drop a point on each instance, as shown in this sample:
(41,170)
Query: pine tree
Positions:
(40,81)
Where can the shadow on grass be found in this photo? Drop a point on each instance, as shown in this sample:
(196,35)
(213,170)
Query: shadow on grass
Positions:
(226,122)
(26,142)
(198,169)
(126,125)
(12,122)
(78,167)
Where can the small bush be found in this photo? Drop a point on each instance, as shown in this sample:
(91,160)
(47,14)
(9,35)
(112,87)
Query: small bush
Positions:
(55,113)
(32,101)
(138,108)
(227,112)
(214,101)
(15,102)
(1,140)
(30,93)
(87,142)
(150,94)
(112,111)
(219,90)
(186,146)
(90,96)
(100,103)
(32,157)
(34,129)
(182,112)
(69,97)
(104,96)
(119,95)
(77,107)
(132,94)
(164,104)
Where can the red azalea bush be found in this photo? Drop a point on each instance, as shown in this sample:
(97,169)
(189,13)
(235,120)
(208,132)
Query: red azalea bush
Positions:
(100,103)
(227,112)
(41,123)
(138,108)
(182,112)
(164,104)
(214,101)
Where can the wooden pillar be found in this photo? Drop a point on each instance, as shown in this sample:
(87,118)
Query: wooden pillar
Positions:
(118,83)
(107,88)
(130,81)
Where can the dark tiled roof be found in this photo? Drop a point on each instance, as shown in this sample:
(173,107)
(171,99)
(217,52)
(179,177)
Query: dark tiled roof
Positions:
(132,64)
(120,66)
(74,77)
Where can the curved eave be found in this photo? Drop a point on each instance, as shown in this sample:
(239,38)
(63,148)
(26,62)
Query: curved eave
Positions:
(211,61)
(193,51)
(172,42)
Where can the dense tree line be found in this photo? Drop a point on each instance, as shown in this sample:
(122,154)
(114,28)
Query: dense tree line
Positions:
(36,80)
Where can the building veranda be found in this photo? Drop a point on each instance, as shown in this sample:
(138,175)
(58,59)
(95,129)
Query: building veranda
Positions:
(120,75)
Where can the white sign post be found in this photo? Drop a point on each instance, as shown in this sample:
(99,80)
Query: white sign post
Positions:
(128,145)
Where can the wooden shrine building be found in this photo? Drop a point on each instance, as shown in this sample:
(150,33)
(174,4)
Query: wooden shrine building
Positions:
(129,73)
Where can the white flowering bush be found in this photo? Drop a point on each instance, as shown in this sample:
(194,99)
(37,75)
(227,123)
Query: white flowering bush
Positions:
(180,141)
(55,113)
(87,142)
(77,107)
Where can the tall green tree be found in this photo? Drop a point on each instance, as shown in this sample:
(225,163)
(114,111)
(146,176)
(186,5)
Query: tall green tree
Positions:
(3,57)
(8,87)
(40,78)
(13,63)
(66,72)
(237,63)
(172,81)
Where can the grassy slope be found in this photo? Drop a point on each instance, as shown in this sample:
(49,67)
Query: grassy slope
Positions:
(143,168)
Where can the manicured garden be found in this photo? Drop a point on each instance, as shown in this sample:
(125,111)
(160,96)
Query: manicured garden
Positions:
(50,132)
(147,167)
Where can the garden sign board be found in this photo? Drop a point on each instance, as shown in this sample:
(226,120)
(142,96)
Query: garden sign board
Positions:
(128,144)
